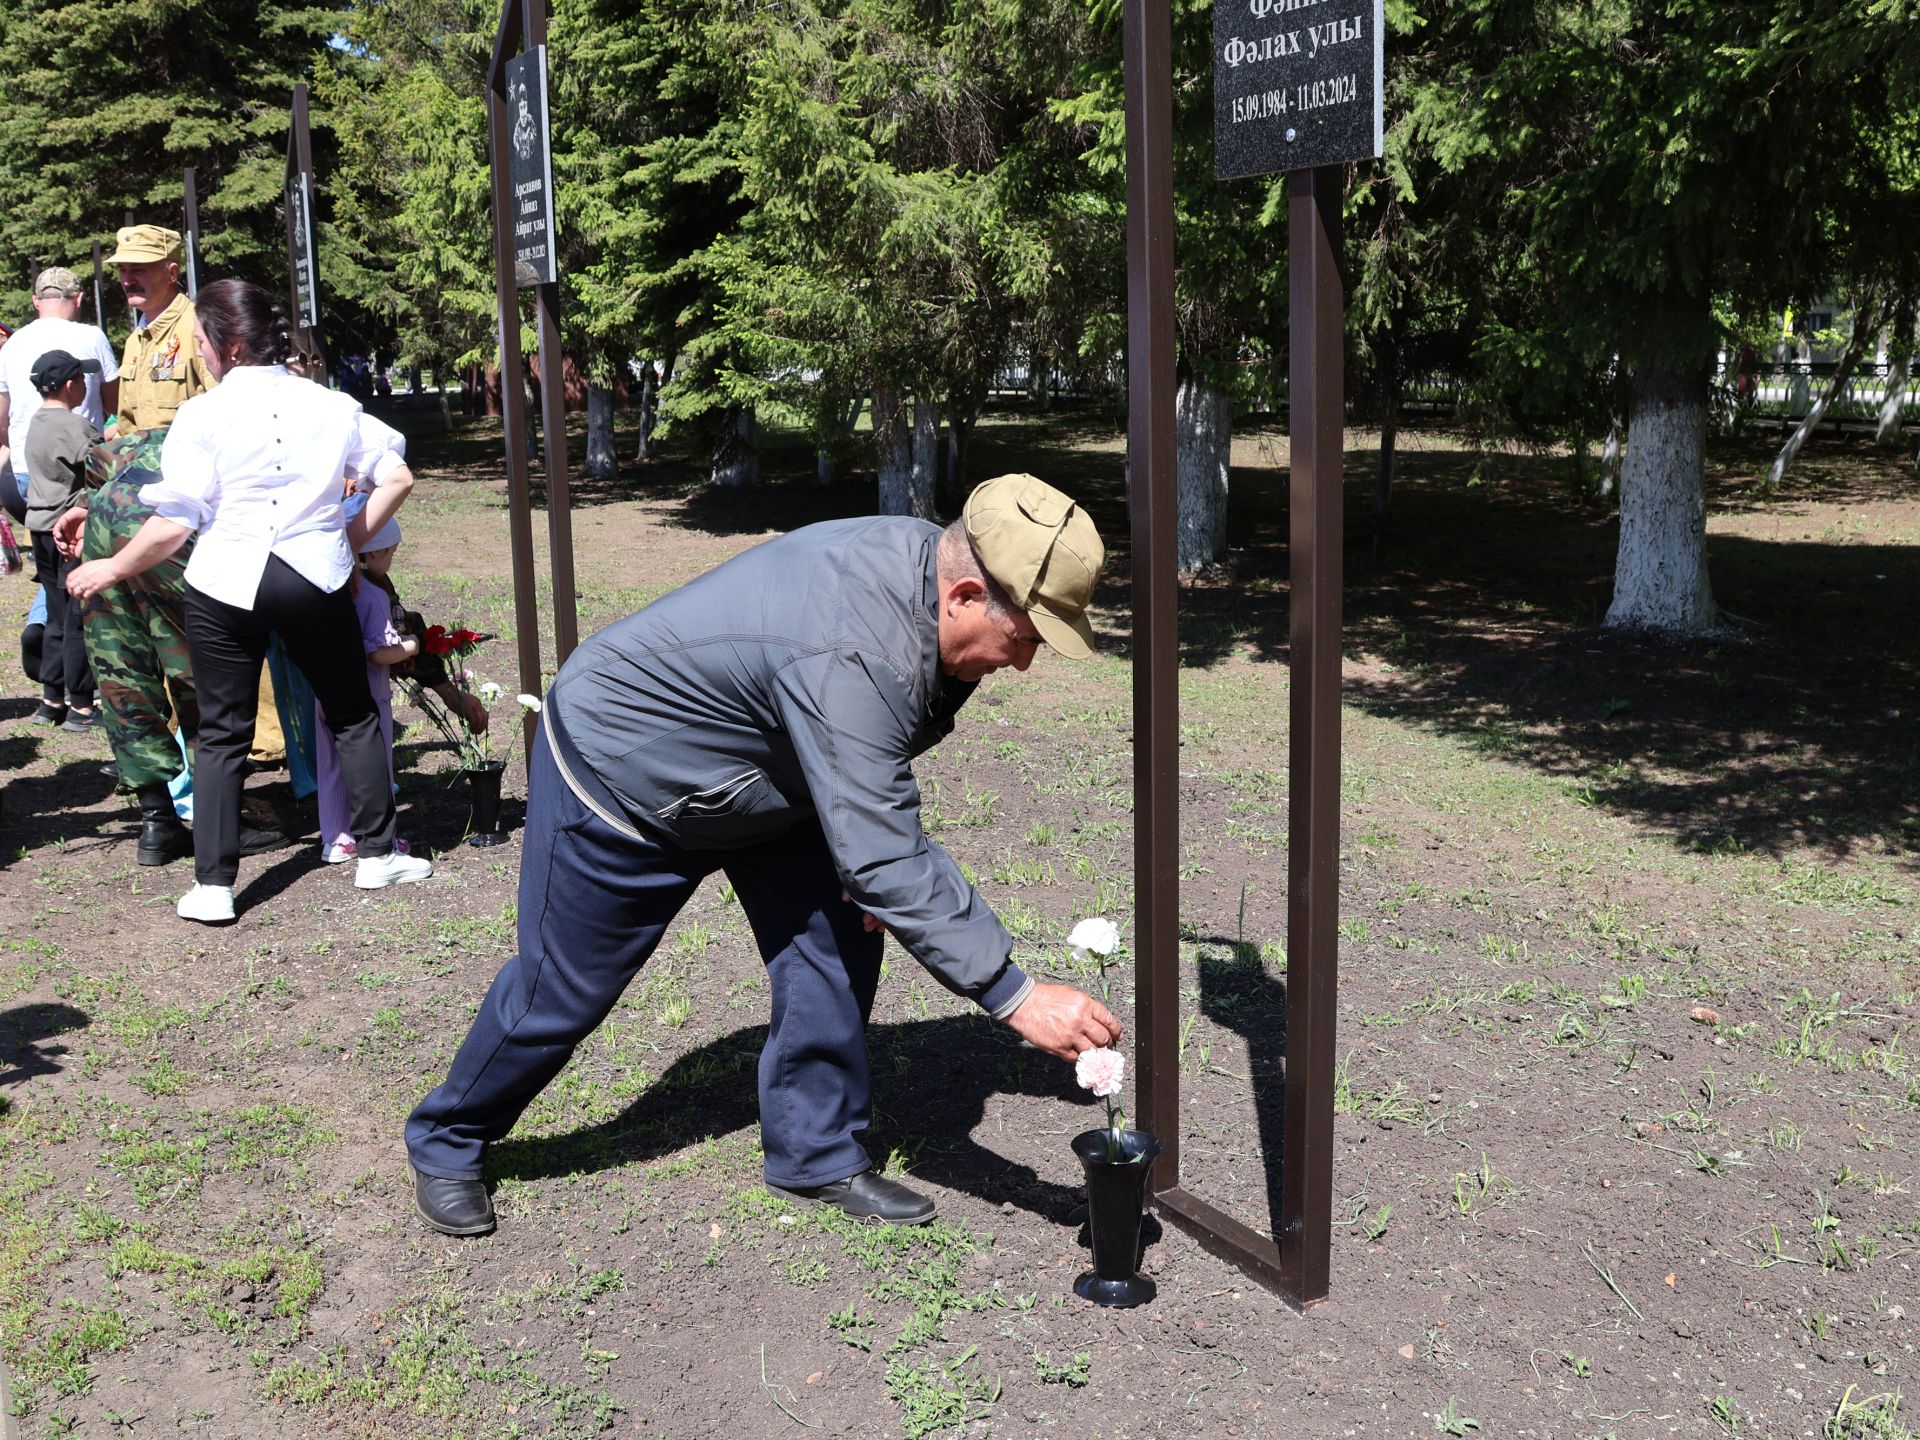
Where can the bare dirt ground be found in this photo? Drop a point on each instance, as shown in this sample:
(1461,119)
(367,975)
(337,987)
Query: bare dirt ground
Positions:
(1628,1118)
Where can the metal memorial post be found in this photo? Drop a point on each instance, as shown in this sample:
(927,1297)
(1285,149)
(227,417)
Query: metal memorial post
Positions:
(1148,70)
(303,261)
(99,304)
(525,241)
(190,207)
(1300,91)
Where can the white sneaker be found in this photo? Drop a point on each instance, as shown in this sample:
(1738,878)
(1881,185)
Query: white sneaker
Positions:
(378,872)
(342,851)
(209,904)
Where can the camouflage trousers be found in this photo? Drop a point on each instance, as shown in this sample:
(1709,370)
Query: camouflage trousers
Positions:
(137,643)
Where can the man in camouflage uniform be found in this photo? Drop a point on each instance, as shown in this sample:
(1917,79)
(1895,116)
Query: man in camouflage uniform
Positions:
(137,638)
(161,371)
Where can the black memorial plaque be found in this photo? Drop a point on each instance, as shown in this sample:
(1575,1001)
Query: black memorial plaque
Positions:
(530,168)
(1296,83)
(300,231)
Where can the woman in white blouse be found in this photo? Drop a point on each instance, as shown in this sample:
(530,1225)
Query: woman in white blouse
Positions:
(256,468)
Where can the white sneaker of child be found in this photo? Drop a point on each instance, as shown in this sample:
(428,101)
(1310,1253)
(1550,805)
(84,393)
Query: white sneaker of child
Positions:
(209,904)
(376,872)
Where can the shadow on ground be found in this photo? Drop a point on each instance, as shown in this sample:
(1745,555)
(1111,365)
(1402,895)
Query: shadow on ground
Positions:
(1475,611)
(26,1039)
(1239,993)
(932,1080)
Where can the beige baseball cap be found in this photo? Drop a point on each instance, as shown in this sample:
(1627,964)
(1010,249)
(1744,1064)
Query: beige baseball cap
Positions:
(144,244)
(1041,548)
(56,280)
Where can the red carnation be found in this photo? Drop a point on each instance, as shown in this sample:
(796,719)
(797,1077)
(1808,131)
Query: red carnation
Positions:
(436,641)
(467,637)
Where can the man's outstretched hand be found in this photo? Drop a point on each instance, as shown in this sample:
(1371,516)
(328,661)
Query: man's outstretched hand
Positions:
(1061,1021)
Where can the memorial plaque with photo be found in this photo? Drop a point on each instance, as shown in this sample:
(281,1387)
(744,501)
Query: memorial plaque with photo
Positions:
(1296,83)
(300,234)
(530,166)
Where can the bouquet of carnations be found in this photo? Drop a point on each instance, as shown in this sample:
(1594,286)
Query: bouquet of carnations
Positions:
(1103,1071)
(474,747)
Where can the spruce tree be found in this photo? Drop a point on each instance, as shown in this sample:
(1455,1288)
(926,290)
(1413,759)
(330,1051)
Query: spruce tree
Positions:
(103,106)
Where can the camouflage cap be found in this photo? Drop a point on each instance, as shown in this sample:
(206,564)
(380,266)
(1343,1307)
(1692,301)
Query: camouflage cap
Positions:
(145,244)
(57,281)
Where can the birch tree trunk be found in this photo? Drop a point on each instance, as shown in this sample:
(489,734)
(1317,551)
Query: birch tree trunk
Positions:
(926,457)
(893,443)
(1660,578)
(736,457)
(649,410)
(1038,390)
(1611,454)
(895,420)
(1389,429)
(1899,362)
(962,415)
(1865,327)
(847,416)
(602,462)
(1203,429)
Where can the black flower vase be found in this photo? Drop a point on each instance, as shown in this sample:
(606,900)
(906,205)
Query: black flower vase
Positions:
(483,794)
(1116,1199)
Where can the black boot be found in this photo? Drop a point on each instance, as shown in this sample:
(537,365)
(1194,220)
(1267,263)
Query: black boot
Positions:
(162,836)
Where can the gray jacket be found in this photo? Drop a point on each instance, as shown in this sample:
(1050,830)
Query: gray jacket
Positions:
(798,680)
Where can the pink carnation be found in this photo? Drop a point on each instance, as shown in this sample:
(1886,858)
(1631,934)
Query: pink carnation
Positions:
(1101,1071)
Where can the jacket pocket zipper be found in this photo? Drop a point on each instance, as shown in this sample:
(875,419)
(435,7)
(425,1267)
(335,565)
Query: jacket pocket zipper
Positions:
(714,797)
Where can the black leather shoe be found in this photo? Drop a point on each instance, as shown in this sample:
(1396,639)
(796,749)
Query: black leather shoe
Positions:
(259,842)
(453,1207)
(162,836)
(867,1196)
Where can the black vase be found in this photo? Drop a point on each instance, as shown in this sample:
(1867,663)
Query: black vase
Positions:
(1116,1199)
(483,795)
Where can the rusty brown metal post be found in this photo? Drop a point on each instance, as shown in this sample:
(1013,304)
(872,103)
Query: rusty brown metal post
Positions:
(300,172)
(513,390)
(553,419)
(190,214)
(1317,421)
(1156,639)
(1151,346)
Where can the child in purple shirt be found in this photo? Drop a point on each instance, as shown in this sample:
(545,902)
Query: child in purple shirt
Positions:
(385,647)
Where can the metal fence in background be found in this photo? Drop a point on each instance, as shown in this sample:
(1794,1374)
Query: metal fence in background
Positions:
(1787,391)
(1769,393)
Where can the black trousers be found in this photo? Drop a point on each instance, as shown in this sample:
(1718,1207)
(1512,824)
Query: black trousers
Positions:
(227,646)
(64,670)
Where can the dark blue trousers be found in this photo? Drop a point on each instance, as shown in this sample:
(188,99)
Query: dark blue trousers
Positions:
(594,904)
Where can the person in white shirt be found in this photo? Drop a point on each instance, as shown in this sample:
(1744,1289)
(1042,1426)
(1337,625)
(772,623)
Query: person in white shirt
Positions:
(56,301)
(256,468)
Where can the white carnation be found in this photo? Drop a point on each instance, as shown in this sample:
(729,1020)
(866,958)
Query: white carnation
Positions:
(1097,936)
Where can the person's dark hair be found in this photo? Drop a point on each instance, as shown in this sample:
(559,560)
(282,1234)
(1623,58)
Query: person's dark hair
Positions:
(237,314)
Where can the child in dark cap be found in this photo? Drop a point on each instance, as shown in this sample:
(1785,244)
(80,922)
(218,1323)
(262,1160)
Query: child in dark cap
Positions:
(58,440)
